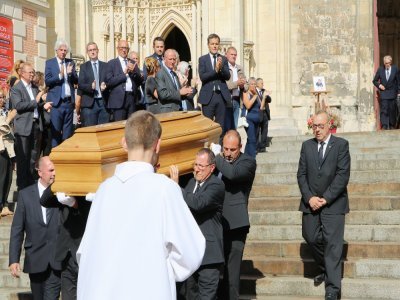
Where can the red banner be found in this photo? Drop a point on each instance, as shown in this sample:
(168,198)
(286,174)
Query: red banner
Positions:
(6,49)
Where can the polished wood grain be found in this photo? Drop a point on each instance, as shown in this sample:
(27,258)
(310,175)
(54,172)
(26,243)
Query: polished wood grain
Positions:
(89,157)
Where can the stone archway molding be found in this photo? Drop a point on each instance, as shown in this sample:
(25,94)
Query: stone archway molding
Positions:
(170,20)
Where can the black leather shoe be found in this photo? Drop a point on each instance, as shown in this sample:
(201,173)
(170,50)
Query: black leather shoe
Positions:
(320,278)
(262,150)
(331,296)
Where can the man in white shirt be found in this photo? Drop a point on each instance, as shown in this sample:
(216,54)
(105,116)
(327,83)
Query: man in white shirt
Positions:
(154,240)
(27,125)
(40,225)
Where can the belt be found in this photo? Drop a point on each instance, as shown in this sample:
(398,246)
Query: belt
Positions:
(217,91)
(128,92)
(66,99)
(98,98)
(35,120)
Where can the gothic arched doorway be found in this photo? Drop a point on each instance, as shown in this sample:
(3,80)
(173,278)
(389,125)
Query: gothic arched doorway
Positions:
(177,40)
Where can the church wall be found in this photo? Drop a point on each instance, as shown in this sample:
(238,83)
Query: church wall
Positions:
(333,39)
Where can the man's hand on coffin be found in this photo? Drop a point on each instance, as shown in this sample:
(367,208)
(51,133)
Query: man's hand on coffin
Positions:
(90,197)
(174,173)
(67,200)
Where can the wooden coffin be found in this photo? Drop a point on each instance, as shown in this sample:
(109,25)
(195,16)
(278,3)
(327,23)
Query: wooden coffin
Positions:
(89,157)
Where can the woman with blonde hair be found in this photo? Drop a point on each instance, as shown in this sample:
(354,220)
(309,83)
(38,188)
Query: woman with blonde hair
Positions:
(15,75)
(152,67)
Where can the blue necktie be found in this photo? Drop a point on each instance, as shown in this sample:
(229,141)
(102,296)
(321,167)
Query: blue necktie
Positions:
(63,84)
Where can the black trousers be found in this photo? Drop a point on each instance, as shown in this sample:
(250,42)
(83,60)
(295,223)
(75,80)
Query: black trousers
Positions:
(46,285)
(203,284)
(27,150)
(69,278)
(388,113)
(215,110)
(127,109)
(324,234)
(6,173)
(262,134)
(234,242)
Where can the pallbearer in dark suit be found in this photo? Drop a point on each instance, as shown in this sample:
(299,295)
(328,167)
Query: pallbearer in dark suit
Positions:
(41,228)
(213,72)
(204,195)
(323,175)
(92,87)
(237,171)
(387,80)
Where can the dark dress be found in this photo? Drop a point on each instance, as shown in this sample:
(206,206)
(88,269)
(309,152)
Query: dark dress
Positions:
(153,104)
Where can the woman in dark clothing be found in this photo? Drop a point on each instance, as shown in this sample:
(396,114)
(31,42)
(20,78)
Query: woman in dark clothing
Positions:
(152,67)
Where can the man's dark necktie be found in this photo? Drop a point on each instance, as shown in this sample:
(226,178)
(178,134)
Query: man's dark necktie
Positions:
(48,212)
(96,78)
(214,60)
(321,153)
(387,74)
(63,85)
(174,79)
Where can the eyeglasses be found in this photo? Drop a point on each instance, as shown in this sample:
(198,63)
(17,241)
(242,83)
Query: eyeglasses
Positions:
(200,166)
(320,126)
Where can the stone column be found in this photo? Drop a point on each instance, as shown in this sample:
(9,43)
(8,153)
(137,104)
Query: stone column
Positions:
(111,45)
(237,23)
(135,29)
(148,41)
(123,9)
(62,24)
(199,32)
(205,25)
(195,33)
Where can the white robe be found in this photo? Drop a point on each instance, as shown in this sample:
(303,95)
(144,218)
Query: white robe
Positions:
(140,238)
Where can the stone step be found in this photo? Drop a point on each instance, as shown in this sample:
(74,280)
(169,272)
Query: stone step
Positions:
(307,267)
(360,217)
(292,203)
(7,281)
(369,176)
(373,288)
(384,233)
(354,189)
(299,248)
(356,165)
(293,157)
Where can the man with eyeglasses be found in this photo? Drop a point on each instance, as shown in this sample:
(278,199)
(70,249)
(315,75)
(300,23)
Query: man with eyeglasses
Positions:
(28,125)
(93,90)
(204,194)
(237,171)
(122,78)
(323,175)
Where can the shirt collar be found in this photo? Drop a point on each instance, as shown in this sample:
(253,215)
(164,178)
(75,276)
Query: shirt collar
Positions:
(41,188)
(327,139)
(125,171)
(26,84)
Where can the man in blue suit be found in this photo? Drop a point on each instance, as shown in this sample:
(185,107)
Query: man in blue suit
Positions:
(60,77)
(214,94)
(387,81)
(122,78)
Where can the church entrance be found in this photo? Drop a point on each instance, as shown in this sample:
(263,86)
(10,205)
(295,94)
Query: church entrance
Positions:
(177,40)
(388,17)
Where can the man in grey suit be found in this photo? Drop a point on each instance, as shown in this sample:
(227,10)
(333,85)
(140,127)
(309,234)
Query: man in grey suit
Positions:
(204,194)
(170,92)
(40,225)
(323,175)
(237,171)
(28,125)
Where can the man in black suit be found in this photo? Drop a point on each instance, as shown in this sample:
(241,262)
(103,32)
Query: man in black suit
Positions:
(213,72)
(387,81)
(237,171)
(204,194)
(122,78)
(323,175)
(92,87)
(41,228)
(265,116)
(169,90)
(74,212)
(28,125)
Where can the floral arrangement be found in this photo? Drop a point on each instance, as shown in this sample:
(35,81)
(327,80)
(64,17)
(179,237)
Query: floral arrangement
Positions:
(310,122)
(334,121)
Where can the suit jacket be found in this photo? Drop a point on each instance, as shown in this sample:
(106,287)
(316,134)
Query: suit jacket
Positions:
(206,207)
(268,100)
(40,239)
(392,86)
(238,178)
(330,180)
(212,80)
(72,223)
(54,83)
(25,107)
(116,81)
(167,92)
(85,80)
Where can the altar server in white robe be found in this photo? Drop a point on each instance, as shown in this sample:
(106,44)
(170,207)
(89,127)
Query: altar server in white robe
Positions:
(153,241)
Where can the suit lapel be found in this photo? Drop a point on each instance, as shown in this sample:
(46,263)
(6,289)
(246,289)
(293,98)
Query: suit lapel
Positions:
(37,206)
(328,148)
(315,152)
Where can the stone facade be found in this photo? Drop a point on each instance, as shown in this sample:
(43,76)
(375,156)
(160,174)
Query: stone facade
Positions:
(286,42)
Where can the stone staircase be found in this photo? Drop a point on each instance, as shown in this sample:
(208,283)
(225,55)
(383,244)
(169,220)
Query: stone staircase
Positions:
(277,262)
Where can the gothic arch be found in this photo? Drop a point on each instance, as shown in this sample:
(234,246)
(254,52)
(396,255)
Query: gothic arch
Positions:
(170,20)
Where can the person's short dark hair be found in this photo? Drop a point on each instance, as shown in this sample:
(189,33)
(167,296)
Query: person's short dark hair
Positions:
(210,155)
(213,36)
(142,129)
(158,39)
